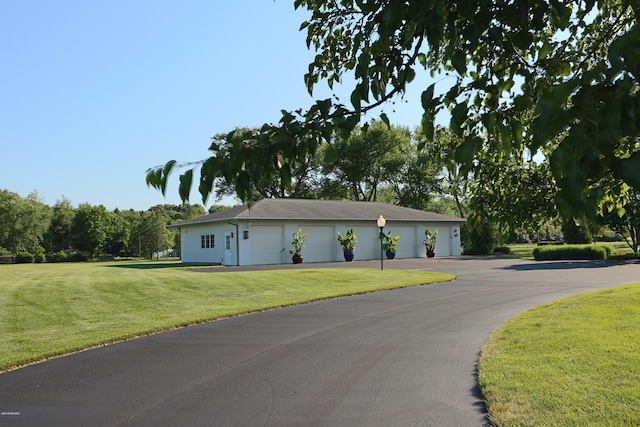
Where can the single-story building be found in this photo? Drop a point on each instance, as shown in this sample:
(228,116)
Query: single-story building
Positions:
(262,234)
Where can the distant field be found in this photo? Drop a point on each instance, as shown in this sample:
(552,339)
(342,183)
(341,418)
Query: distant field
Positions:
(53,309)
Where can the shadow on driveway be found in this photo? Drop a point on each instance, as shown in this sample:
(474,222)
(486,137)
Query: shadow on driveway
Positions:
(564,265)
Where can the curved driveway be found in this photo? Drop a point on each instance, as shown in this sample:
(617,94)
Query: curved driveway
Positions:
(402,357)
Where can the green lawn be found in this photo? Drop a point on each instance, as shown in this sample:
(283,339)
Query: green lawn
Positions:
(53,309)
(575,362)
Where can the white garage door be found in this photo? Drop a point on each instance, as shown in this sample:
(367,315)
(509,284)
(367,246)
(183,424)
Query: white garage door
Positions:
(267,242)
(407,245)
(368,246)
(320,243)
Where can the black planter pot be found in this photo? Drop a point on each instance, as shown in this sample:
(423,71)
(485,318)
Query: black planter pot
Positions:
(390,255)
(431,254)
(297,259)
(348,256)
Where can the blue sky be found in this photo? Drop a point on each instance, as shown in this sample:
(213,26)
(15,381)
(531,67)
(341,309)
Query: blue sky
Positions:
(92,94)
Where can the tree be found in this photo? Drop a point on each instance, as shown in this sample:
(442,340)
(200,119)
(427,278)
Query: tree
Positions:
(627,221)
(23,222)
(155,235)
(556,75)
(455,182)
(369,159)
(90,228)
(511,193)
(295,181)
(58,237)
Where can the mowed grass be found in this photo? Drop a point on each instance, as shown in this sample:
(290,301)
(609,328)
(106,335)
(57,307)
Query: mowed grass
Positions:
(54,309)
(575,362)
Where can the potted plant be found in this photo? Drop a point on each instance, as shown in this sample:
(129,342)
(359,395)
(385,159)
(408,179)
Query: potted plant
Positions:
(430,238)
(390,245)
(348,244)
(297,242)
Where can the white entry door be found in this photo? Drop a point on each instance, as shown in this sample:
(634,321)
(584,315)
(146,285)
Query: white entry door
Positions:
(228,251)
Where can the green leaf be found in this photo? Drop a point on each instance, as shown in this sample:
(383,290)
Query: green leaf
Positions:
(428,128)
(411,74)
(385,119)
(285,175)
(564,68)
(427,97)
(458,117)
(324,107)
(630,170)
(207,175)
(168,167)
(459,62)
(422,59)
(185,185)
(464,152)
(356,100)
(545,50)
(330,155)
(559,14)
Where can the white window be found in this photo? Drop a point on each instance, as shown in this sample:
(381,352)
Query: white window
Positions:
(207,241)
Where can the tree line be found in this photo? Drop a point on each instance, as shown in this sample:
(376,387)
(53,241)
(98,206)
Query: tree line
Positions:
(509,199)
(29,227)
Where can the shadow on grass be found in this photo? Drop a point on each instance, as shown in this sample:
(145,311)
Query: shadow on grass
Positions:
(564,265)
(147,265)
(479,404)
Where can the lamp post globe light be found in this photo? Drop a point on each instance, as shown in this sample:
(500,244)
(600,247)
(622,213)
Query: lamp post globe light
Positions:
(381,223)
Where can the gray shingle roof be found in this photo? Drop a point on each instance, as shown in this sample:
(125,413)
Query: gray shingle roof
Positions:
(319,210)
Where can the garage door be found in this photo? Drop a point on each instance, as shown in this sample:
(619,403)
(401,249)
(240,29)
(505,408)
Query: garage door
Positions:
(407,245)
(267,243)
(368,246)
(320,243)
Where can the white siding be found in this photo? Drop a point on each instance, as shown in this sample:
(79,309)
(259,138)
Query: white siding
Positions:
(191,246)
(443,245)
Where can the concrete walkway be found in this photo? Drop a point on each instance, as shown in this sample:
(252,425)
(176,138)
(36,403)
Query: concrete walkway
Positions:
(402,357)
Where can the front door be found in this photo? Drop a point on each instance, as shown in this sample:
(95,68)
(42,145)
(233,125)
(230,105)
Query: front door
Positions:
(228,252)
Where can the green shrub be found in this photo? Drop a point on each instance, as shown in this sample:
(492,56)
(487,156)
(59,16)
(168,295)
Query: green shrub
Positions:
(625,256)
(57,257)
(77,256)
(39,256)
(481,240)
(70,257)
(469,249)
(24,258)
(571,252)
(504,250)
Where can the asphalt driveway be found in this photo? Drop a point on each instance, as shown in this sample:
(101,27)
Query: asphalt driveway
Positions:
(402,357)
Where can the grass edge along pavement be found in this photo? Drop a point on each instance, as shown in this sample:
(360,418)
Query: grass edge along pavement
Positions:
(51,310)
(573,362)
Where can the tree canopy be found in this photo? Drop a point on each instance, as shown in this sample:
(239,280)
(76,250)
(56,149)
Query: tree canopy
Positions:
(555,77)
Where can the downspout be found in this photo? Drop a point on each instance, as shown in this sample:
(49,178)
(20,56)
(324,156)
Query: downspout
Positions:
(237,243)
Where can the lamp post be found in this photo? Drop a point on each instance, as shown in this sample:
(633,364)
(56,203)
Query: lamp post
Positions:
(381,223)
